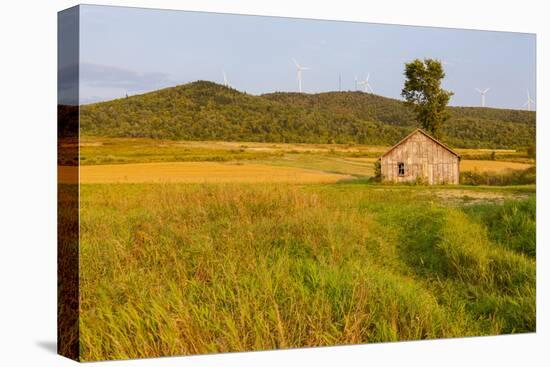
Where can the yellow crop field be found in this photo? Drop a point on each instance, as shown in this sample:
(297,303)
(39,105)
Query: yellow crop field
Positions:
(288,170)
(491,166)
(367,160)
(202,172)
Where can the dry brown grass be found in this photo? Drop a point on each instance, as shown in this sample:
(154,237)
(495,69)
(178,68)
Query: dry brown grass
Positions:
(201,172)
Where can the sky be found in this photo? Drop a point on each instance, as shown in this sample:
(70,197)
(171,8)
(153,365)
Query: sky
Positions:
(133,50)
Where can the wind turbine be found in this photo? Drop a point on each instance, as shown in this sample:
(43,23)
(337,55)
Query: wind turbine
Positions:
(483,92)
(299,70)
(225,82)
(356,79)
(529,101)
(366,84)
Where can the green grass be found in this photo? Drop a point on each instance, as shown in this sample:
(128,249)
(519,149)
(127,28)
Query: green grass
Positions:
(323,162)
(121,151)
(510,177)
(184,269)
(512,225)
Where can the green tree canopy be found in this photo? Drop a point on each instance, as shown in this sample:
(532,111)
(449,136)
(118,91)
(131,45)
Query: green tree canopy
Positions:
(423,92)
(207,111)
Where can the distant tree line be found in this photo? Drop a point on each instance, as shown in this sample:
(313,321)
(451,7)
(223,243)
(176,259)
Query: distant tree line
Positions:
(208,111)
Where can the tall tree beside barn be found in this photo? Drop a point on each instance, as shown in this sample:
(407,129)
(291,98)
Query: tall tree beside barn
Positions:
(423,92)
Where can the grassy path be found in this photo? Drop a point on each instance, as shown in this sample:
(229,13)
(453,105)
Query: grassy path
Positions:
(173,269)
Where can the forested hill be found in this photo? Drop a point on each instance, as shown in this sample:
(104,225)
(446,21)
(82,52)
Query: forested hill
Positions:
(208,111)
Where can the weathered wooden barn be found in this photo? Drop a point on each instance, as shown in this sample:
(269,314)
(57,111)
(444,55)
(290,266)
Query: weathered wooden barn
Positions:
(420,157)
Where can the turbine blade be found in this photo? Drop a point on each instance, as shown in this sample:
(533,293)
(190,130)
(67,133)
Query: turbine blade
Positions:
(225,83)
(296,63)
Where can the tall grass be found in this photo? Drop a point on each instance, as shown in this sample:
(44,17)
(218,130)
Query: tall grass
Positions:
(184,269)
(512,224)
(511,177)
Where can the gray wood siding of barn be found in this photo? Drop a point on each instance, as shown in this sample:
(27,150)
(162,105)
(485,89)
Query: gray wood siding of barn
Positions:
(424,159)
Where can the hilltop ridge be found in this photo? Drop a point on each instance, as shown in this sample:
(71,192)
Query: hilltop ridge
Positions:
(205,110)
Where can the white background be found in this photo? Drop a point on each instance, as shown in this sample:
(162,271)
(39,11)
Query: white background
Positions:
(28,182)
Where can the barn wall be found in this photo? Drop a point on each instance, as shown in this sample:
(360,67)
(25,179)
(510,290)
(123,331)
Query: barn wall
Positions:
(424,159)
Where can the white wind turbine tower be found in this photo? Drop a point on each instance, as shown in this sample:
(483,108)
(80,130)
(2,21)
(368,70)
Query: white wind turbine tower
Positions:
(529,101)
(299,70)
(366,84)
(225,82)
(483,92)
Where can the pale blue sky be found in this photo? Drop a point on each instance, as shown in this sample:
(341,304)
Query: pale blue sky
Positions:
(132,50)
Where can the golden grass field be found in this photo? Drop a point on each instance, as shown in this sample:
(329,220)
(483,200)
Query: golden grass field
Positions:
(208,247)
(117,160)
(203,172)
(172,269)
(491,166)
(298,171)
(289,170)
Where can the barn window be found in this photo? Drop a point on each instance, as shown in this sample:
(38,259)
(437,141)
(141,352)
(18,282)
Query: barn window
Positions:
(401,169)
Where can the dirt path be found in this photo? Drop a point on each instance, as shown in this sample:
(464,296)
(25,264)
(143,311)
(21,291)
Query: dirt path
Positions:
(474,197)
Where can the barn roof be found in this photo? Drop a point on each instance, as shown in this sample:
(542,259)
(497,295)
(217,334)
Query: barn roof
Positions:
(425,134)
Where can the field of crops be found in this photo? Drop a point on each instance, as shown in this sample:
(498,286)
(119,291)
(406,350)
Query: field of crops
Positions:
(293,169)
(203,172)
(492,166)
(115,160)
